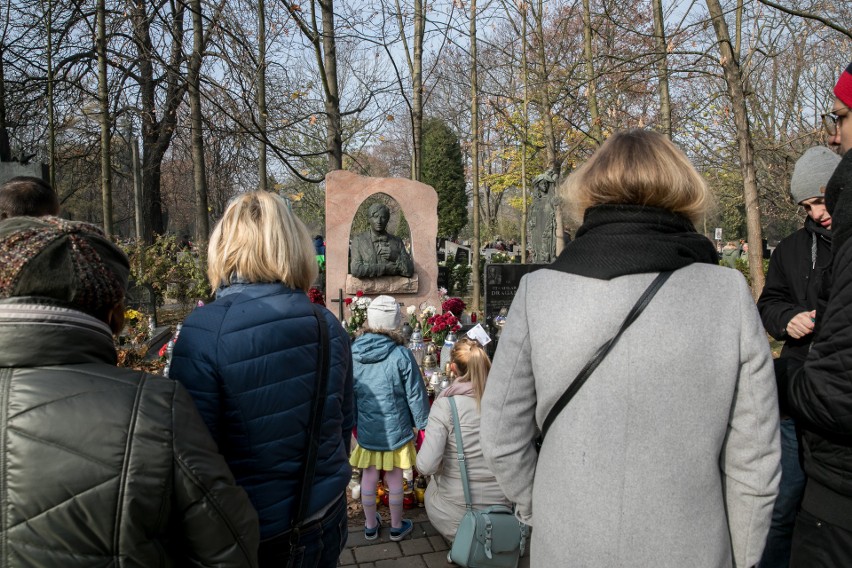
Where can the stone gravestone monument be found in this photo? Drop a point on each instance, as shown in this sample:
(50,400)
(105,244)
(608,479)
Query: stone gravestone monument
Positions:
(542,219)
(463,256)
(344,193)
(501,284)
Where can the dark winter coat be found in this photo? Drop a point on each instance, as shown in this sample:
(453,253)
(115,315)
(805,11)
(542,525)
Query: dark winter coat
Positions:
(249,359)
(819,394)
(104,466)
(793,285)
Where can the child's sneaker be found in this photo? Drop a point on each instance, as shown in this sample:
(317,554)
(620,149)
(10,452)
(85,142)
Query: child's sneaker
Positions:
(373,533)
(403,531)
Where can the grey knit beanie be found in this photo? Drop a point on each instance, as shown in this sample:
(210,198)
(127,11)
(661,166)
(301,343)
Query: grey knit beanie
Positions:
(383,314)
(812,173)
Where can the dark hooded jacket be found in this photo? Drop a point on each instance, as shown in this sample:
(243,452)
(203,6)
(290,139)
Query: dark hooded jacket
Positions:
(104,466)
(793,284)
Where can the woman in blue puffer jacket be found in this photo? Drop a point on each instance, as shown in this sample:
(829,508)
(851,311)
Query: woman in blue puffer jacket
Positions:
(391,400)
(250,361)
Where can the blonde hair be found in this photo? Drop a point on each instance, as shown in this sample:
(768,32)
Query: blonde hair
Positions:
(260,240)
(472,363)
(638,167)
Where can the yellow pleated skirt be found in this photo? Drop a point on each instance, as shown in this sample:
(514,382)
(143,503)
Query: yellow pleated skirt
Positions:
(402,458)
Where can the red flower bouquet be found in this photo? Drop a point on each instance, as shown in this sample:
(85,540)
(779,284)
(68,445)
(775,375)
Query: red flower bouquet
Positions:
(454,305)
(441,325)
(316,297)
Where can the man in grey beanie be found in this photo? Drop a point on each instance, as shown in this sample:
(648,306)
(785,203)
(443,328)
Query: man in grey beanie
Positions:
(787,308)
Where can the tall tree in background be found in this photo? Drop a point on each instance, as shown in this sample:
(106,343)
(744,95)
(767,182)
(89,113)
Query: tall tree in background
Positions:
(591,77)
(325,52)
(159,117)
(199,175)
(103,108)
(662,68)
(443,169)
(261,93)
(474,154)
(734,80)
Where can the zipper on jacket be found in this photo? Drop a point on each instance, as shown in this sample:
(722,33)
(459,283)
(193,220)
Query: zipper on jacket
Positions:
(5,384)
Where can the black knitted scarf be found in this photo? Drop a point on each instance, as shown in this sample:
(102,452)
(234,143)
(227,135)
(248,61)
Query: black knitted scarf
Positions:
(616,240)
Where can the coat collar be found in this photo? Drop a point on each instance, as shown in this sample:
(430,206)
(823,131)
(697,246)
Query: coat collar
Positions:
(34,334)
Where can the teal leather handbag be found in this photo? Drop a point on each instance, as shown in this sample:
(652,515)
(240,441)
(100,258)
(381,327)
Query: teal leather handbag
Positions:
(486,538)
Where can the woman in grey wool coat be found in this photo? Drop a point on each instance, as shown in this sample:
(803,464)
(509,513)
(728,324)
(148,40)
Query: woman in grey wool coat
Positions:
(669,454)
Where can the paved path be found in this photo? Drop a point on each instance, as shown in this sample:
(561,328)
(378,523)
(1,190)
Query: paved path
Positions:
(425,548)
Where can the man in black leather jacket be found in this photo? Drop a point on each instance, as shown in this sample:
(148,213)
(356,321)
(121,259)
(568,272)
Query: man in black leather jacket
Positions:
(99,466)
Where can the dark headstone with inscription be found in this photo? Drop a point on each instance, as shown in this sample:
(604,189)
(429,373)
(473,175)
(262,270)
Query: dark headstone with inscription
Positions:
(501,284)
(443,277)
(463,256)
(142,297)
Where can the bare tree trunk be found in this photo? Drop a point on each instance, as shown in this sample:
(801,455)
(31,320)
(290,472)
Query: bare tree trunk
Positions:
(261,92)
(2,91)
(545,103)
(524,140)
(417,88)
(591,92)
(325,52)
(103,100)
(334,138)
(734,81)
(474,129)
(157,132)
(137,187)
(662,68)
(554,163)
(199,175)
(51,106)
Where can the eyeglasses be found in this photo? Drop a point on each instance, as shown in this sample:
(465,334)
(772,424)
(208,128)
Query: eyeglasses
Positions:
(831,119)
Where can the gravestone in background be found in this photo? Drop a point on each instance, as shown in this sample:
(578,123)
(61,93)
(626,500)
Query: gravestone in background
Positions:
(463,256)
(501,284)
(443,277)
(8,170)
(141,297)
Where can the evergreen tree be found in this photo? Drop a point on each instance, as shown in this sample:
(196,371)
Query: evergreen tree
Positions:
(443,169)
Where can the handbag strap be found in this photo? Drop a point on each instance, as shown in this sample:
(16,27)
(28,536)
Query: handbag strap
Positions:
(460,453)
(602,351)
(300,505)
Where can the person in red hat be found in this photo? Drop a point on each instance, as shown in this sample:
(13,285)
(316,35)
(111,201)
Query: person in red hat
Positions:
(837,123)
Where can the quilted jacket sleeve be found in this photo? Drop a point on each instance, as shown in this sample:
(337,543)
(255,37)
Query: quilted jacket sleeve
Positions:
(821,393)
(218,525)
(777,304)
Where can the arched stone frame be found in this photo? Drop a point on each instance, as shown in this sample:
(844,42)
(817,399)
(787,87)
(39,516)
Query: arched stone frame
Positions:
(344,193)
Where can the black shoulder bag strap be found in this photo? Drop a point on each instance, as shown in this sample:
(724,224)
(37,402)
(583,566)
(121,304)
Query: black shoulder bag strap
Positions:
(586,371)
(300,505)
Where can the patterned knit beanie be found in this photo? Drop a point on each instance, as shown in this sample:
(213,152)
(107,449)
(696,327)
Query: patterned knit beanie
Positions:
(843,88)
(70,262)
